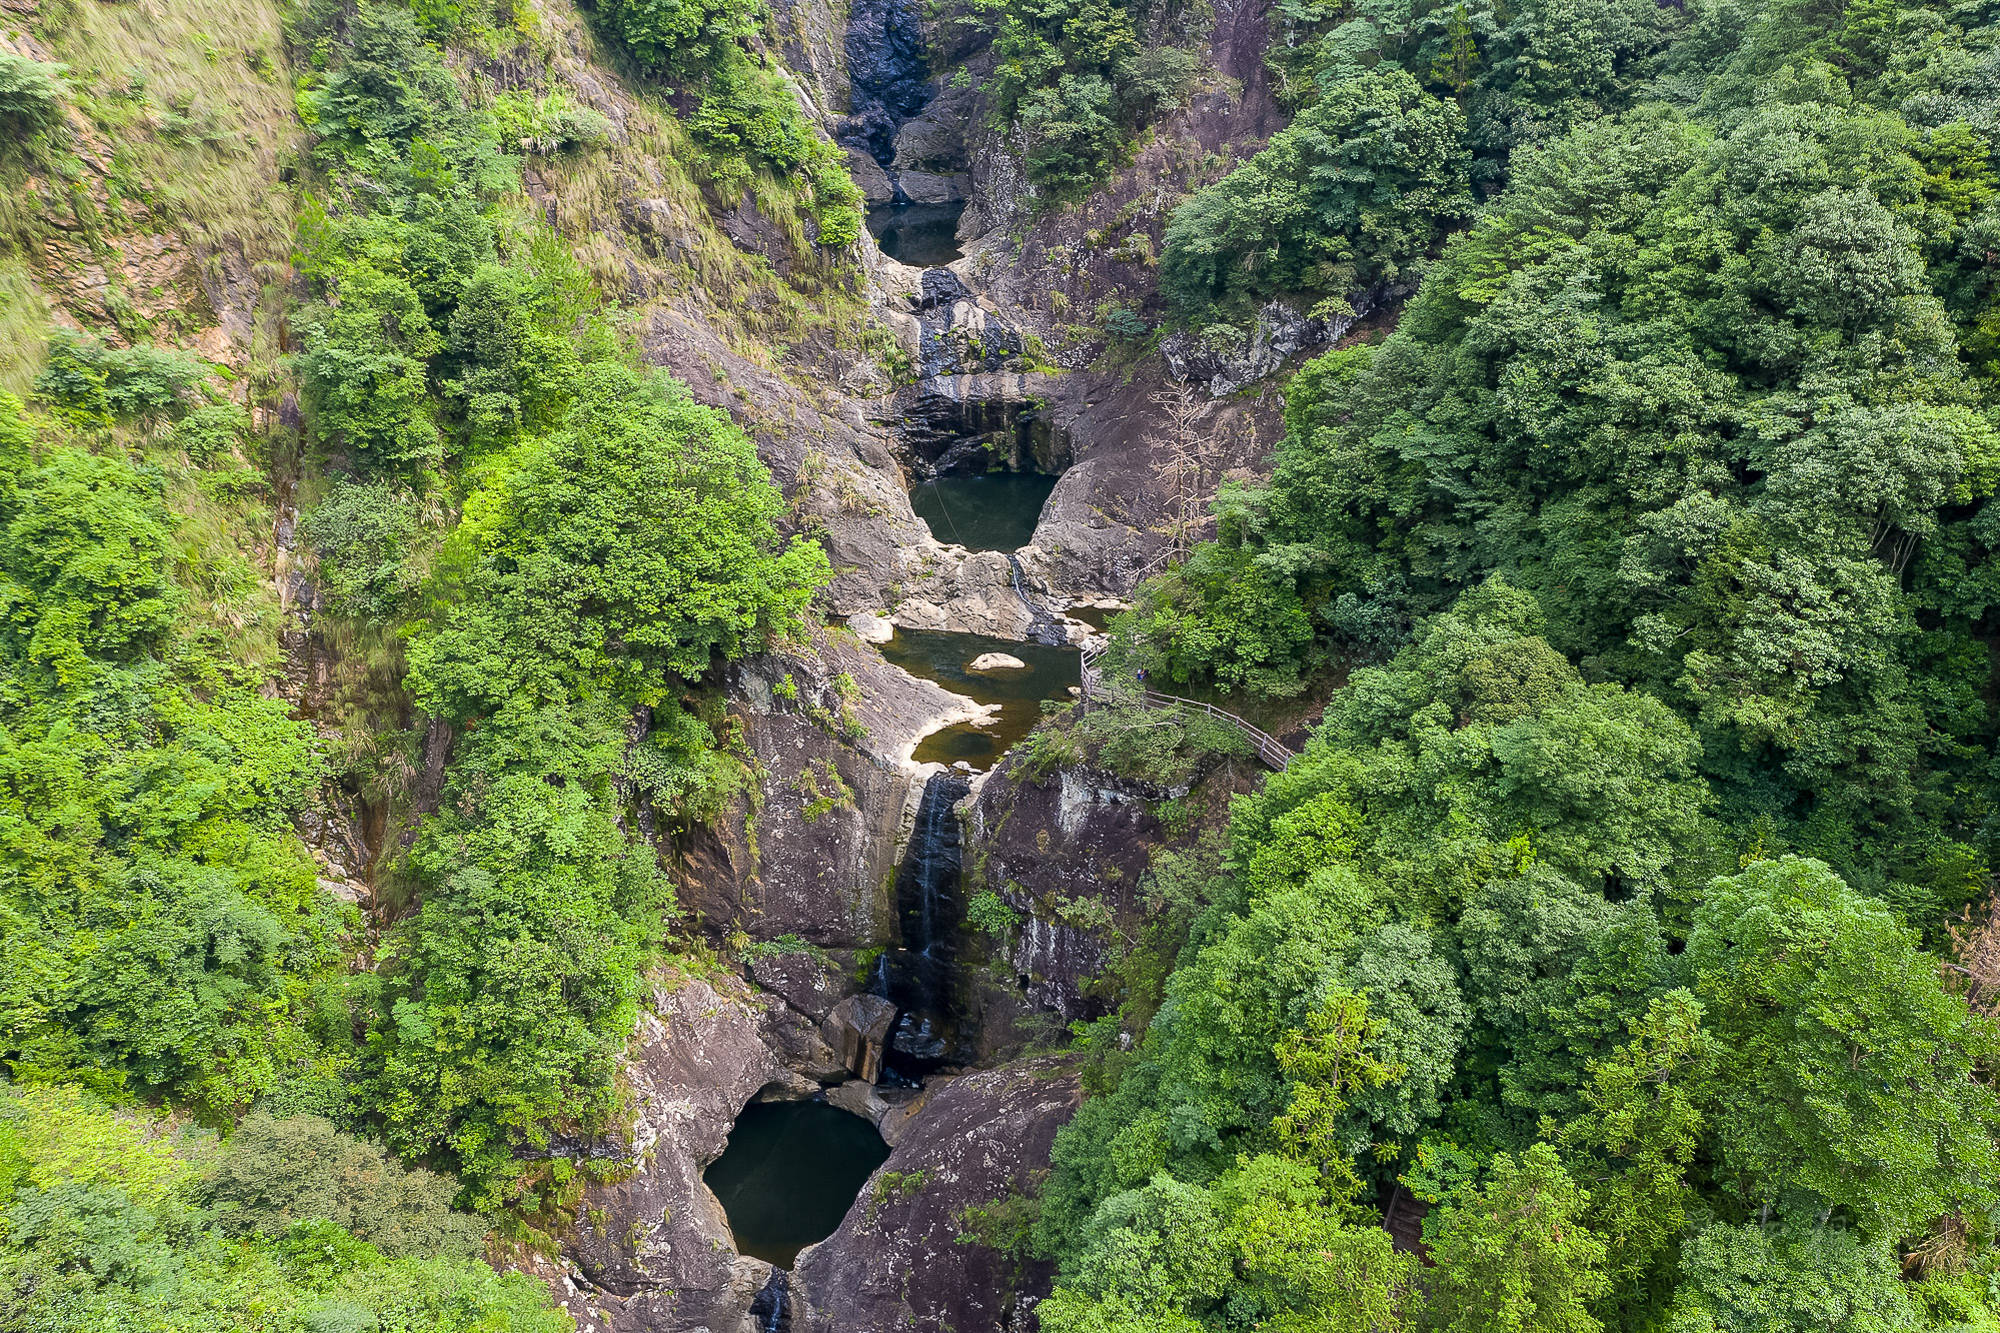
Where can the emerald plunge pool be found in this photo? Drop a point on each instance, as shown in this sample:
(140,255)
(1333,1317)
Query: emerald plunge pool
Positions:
(985,511)
(944,656)
(920,235)
(789,1174)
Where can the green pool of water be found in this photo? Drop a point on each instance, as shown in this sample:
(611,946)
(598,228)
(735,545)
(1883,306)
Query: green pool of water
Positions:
(943,656)
(988,511)
(924,235)
(789,1174)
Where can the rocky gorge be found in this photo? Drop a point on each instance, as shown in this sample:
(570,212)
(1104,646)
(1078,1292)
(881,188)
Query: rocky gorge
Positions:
(887,784)
(843,881)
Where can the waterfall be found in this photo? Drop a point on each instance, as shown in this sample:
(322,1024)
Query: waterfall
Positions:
(772,1308)
(918,976)
(1042,627)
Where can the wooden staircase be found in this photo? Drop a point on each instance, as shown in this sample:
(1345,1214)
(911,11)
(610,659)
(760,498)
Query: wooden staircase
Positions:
(1268,747)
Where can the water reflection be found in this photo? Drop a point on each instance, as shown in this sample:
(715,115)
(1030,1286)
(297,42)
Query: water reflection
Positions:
(946,657)
(921,235)
(985,511)
(789,1173)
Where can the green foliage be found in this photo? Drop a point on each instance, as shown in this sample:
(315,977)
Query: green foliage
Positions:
(1696,385)
(1076,78)
(988,912)
(274,1174)
(613,543)
(635,543)
(746,114)
(369,538)
(92,384)
(1445,927)
(32,92)
(594,566)
(163,928)
(1514,1254)
(1351,194)
(548,125)
(104,1228)
(1853,1075)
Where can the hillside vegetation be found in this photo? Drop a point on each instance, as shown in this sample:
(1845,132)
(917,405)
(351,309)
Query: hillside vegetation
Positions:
(1609,914)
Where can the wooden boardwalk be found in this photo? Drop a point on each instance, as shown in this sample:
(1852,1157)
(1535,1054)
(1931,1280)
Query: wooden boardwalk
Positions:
(1268,747)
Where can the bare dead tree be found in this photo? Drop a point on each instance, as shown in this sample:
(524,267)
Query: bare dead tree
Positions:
(1187,459)
(1974,962)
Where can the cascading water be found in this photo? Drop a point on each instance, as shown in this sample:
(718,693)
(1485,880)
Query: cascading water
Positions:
(772,1309)
(918,975)
(1042,626)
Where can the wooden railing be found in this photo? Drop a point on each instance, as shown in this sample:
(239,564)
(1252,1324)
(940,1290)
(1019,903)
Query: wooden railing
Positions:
(1268,747)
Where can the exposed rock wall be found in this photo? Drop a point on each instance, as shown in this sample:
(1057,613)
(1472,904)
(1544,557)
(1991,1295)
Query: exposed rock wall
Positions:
(654,1253)
(896,1262)
(812,851)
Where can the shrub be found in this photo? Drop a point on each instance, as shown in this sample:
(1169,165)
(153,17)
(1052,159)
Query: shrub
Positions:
(31,92)
(1354,191)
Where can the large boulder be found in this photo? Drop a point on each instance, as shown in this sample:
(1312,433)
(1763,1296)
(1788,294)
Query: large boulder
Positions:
(897,1261)
(858,1032)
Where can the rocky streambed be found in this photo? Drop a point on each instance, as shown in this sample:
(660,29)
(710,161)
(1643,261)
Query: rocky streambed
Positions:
(822,1116)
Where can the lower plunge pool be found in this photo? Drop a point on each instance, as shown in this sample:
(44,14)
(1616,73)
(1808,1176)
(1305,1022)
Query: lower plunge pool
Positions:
(946,657)
(789,1174)
(984,511)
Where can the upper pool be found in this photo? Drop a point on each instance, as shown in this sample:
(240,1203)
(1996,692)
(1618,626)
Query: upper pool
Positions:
(985,511)
(921,235)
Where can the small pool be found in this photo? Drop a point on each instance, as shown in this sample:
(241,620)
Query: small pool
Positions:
(943,656)
(984,511)
(921,235)
(789,1174)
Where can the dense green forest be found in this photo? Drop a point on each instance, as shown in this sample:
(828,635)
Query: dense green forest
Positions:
(1644,550)
(1603,913)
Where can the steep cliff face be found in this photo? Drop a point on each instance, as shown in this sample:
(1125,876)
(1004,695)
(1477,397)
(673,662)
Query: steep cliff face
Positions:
(1068,846)
(164,218)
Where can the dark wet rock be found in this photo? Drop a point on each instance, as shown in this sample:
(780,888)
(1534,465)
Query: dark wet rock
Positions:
(1040,839)
(941,289)
(896,1262)
(972,423)
(919,975)
(1044,837)
(889,71)
(935,140)
(925,187)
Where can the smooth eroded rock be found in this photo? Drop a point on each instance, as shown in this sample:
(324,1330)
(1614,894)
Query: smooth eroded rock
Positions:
(996,662)
(896,1262)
